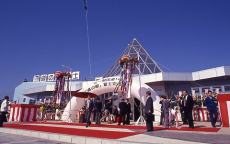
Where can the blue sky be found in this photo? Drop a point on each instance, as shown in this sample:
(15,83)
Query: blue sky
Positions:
(38,36)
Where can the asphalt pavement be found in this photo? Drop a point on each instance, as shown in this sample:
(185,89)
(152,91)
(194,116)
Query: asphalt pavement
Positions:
(18,139)
(210,138)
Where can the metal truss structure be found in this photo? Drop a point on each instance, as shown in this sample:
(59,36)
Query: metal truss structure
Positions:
(146,65)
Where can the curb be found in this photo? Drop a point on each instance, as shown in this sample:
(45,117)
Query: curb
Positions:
(65,138)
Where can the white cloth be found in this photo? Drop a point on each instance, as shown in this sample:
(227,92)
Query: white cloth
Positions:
(173,112)
(185,100)
(4,106)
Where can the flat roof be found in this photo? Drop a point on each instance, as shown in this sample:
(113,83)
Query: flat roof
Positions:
(35,87)
(187,76)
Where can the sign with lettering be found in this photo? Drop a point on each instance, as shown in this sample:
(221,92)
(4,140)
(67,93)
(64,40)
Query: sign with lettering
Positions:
(36,78)
(43,78)
(75,75)
(104,82)
(51,77)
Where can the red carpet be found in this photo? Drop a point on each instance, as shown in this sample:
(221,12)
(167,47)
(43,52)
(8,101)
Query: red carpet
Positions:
(97,133)
(132,127)
(73,131)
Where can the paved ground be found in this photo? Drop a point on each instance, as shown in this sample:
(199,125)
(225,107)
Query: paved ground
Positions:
(194,137)
(18,139)
(156,137)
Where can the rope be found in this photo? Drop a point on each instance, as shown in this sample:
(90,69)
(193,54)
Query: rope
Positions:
(87,34)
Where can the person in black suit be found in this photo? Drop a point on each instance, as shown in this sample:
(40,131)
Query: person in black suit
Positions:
(162,112)
(188,107)
(89,108)
(149,112)
(181,105)
(211,105)
(98,107)
(122,113)
(128,111)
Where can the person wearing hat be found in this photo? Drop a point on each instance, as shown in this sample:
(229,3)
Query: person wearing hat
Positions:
(149,112)
(4,108)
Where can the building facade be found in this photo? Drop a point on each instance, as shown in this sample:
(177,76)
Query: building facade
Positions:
(150,73)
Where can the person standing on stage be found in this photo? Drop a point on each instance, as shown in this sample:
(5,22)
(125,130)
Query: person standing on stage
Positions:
(188,107)
(181,105)
(149,112)
(122,112)
(211,105)
(128,111)
(89,108)
(4,108)
(166,107)
(162,112)
(115,114)
(98,107)
(108,110)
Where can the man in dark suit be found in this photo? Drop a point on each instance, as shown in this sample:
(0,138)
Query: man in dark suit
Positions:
(97,108)
(89,108)
(181,105)
(188,106)
(122,113)
(149,112)
(162,112)
(128,111)
(211,105)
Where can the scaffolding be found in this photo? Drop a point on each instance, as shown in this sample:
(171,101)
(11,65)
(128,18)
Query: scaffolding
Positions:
(147,64)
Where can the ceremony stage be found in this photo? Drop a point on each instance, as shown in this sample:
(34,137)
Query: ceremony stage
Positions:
(115,134)
(99,131)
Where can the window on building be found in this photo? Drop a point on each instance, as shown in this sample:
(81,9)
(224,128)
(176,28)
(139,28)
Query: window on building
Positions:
(227,88)
(196,90)
(24,99)
(205,89)
(217,89)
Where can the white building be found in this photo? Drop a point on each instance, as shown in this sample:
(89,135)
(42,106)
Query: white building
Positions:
(151,74)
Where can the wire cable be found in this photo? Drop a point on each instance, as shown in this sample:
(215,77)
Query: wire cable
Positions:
(88,37)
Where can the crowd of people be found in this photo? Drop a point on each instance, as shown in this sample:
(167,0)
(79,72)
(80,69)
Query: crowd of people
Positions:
(105,113)
(173,109)
(48,111)
(181,107)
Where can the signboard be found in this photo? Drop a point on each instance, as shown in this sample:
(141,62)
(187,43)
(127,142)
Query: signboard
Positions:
(104,82)
(51,77)
(43,78)
(75,75)
(98,78)
(36,78)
